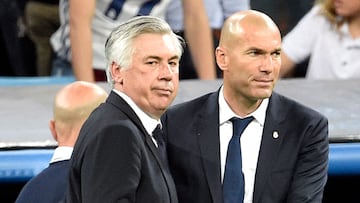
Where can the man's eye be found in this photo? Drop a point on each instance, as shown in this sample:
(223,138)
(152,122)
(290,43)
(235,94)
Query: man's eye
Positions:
(151,62)
(253,53)
(173,63)
(276,54)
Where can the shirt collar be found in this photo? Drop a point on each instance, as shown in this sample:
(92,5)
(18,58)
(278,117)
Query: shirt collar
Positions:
(226,113)
(148,122)
(344,29)
(61,154)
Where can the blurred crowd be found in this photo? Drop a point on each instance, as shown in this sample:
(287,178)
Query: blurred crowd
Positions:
(26,27)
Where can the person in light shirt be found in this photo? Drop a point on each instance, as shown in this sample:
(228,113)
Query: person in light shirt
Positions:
(86,24)
(330,35)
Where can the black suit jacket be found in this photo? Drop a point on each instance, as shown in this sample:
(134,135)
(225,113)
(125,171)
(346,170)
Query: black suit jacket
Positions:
(115,160)
(291,168)
(48,186)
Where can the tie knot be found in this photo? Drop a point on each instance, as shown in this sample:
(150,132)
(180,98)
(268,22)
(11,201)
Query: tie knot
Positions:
(158,134)
(239,124)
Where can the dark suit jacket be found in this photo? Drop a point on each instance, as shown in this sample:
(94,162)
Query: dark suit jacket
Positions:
(115,160)
(48,186)
(291,168)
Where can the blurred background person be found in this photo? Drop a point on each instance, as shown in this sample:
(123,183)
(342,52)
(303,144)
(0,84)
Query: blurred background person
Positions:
(217,11)
(16,49)
(330,35)
(42,20)
(72,106)
(85,26)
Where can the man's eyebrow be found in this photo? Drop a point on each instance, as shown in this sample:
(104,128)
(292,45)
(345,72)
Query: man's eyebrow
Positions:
(153,57)
(277,50)
(256,49)
(174,57)
(159,58)
(262,50)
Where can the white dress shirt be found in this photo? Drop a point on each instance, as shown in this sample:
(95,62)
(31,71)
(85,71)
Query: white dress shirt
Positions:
(148,122)
(250,141)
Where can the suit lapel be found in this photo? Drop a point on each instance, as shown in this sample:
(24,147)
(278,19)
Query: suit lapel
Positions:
(164,169)
(209,144)
(120,103)
(115,100)
(270,144)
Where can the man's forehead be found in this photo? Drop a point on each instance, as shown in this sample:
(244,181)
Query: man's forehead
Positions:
(250,23)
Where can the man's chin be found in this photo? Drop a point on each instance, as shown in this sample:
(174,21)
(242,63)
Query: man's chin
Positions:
(263,94)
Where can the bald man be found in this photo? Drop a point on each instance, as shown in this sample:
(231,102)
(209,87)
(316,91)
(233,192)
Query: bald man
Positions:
(284,146)
(72,106)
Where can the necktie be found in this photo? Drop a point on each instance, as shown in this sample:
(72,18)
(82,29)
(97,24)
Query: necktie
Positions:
(233,183)
(158,135)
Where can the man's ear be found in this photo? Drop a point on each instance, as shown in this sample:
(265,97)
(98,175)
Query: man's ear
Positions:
(116,73)
(221,58)
(52,129)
